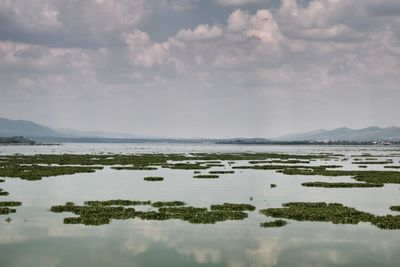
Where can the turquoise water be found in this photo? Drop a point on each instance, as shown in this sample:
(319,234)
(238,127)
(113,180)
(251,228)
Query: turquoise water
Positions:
(37,237)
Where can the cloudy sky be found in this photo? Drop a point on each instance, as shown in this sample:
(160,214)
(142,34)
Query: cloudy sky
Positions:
(201,68)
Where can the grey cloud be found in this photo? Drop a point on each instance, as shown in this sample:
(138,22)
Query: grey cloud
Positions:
(240,71)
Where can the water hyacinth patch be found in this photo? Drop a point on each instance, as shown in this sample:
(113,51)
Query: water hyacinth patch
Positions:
(101,212)
(153,178)
(330,212)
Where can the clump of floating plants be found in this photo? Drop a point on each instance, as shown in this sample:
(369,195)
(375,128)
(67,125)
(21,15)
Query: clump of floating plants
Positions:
(375,177)
(372,162)
(117,202)
(289,161)
(10,203)
(276,223)
(206,176)
(2,180)
(188,166)
(272,185)
(330,212)
(102,212)
(175,203)
(233,207)
(36,172)
(153,178)
(3,193)
(5,207)
(395,208)
(221,172)
(340,185)
(392,167)
(142,168)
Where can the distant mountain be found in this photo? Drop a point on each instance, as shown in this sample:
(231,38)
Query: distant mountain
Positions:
(96,134)
(346,134)
(15,140)
(10,128)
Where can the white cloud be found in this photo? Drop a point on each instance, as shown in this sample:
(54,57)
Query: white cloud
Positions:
(326,49)
(236,2)
(201,32)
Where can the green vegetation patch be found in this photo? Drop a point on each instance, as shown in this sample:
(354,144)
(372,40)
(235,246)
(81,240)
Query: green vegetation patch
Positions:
(3,193)
(206,176)
(372,162)
(340,185)
(153,178)
(276,223)
(37,172)
(10,203)
(103,212)
(233,207)
(6,210)
(188,166)
(289,161)
(175,203)
(330,212)
(117,202)
(395,208)
(140,168)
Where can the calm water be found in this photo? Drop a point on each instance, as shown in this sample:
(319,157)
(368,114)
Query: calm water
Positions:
(37,237)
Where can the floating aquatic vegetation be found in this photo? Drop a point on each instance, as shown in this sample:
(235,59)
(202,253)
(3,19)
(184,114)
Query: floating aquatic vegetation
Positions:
(395,208)
(330,212)
(215,165)
(141,168)
(153,178)
(272,185)
(117,202)
(197,172)
(6,210)
(10,203)
(2,180)
(103,214)
(188,166)
(340,185)
(206,176)
(375,177)
(175,203)
(363,166)
(276,223)
(233,207)
(3,193)
(289,161)
(392,167)
(209,162)
(37,172)
(372,162)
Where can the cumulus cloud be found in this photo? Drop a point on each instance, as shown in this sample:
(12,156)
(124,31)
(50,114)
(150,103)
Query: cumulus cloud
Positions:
(258,60)
(236,2)
(201,32)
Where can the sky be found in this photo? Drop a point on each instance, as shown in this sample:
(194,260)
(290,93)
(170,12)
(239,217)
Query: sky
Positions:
(201,68)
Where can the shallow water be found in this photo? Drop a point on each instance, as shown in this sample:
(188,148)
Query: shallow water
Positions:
(37,237)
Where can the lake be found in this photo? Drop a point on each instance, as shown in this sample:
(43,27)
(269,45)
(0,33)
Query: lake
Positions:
(38,237)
